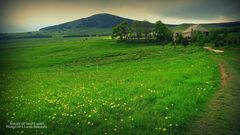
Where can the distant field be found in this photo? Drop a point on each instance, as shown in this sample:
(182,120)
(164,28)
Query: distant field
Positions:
(99,86)
(74,32)
(84,32)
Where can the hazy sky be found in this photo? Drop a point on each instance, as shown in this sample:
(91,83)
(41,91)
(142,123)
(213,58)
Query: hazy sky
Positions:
(30,15)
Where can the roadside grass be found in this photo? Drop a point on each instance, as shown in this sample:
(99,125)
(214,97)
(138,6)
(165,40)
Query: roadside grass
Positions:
(221,117)
(98,86)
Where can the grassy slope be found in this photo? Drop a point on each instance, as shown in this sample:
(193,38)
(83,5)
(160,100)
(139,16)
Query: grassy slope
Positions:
(82,31)
(98,86)
(222,116)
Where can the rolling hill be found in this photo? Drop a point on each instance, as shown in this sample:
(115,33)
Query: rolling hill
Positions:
(96,21)
(209,26)
(101,25)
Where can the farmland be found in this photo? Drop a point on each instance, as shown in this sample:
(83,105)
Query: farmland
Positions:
(100,86)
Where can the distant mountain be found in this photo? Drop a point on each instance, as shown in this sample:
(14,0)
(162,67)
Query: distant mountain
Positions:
(96,21)
(180,27)
(104,21)
(227,24)
(102,24)
(209,26)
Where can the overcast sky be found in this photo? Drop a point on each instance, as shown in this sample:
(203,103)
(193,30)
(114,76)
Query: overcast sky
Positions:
(31,15)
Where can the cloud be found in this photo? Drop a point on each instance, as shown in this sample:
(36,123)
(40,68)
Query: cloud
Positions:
(204,9)
(27,15)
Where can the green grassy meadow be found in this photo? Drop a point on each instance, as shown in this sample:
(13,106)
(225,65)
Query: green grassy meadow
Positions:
(100,86)
(221,117)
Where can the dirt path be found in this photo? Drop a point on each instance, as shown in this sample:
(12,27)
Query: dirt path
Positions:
(224,75)
(221,116)
(213,50)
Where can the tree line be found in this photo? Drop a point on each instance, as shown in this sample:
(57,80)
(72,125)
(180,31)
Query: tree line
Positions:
(217,38)
(142,30)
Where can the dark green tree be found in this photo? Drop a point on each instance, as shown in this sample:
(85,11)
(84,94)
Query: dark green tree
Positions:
(147,29)
(137,29)
(162,33)
(179,39)
(198,38)
(121,31)
(116,32)
(124,29)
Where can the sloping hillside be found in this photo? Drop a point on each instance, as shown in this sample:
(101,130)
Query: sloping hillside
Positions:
(95,21)
(209,26)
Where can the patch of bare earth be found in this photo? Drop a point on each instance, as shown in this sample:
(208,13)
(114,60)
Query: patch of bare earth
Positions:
(224,75)
(213,50)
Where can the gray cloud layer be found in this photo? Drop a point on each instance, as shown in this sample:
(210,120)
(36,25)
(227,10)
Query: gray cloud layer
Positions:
(203,9)
(15,12)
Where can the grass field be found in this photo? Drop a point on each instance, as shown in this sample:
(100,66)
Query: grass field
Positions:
(60,33)
(221,117)
(99,86)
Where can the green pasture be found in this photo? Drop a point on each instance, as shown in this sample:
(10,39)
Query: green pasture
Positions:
(100,86)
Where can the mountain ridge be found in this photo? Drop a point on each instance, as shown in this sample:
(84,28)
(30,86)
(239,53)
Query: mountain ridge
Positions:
(102,20)
(105,20)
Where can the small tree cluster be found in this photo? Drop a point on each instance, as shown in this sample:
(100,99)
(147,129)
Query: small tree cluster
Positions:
(162,33)
(142,30)
(217,38)
(199,38)
(121,31)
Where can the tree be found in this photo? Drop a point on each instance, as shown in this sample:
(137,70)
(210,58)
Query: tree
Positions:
(162,33)
(198,38)
(147,29)
(124,29)
(121,31)
(116,32)
(179,39)
(136,29)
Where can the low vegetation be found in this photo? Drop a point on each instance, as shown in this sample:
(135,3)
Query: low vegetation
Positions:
(163,34)
(99,86)
(216,38)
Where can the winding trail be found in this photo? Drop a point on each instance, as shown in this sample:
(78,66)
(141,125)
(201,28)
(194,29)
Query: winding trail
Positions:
(222,115)
(224,75)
